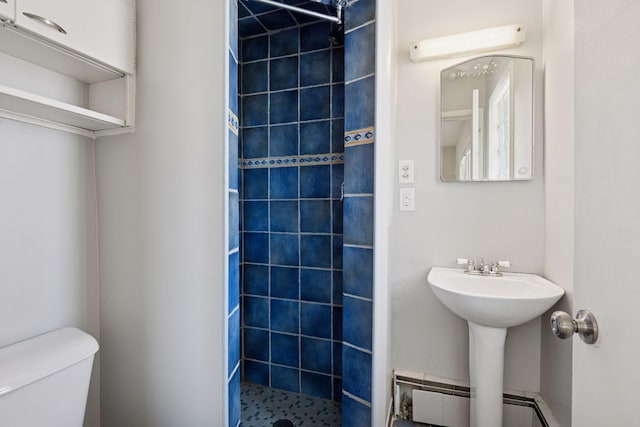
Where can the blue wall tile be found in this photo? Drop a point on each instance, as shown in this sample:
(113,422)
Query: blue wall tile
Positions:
(337,326)
(256,8)
(337,287)
(315,216)
(337,178)
(284,183)
(256,344)
(358,221)
(242,10)
(284,249)
(284,42)
(359,167)
(360,104)
(360,46)
(337,359)
(284,216)
(234,341)
(315,320)
(337,136)
(233,161)
(255,77)
(255,142)
(359,13)
(315,251)
(277,20)
(316,355)
(314,37)
(283,107)
(358,272)
(256,216)
(354,413)
(337,65)
(285,350)
(234,280)
(284,316)
(249,26)
(233,84)
(255,184)
(315,68)
(256,279)
(357,319)
(284,140)
(255,48)
(284,73)
(285,282)
(315,137)
(285,378)
(233,28)
(315,103)
(255,110)
(315,182)
(256,312)
(337,216)
(234,399)
(356,370)
(337,251)
(316,385)
(254,247)
(234,220)
(337,389)
(315,285)
(256,372)
(337,101)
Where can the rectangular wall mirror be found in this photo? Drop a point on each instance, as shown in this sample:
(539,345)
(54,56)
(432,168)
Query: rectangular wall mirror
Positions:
(487,119)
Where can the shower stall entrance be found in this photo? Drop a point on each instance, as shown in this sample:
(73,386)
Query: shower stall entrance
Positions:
(301,212)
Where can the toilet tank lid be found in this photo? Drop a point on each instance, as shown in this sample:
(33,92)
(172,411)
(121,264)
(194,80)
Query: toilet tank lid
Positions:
(31,360)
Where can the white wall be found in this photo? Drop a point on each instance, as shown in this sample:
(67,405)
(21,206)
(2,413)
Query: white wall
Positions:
(494,220)
(160,194)
(556,364)
(48,223)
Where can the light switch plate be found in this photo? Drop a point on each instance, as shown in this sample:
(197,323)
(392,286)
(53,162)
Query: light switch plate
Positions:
(405,172)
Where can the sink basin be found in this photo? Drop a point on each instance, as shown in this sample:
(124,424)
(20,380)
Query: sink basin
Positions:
(490,305)
(497,302)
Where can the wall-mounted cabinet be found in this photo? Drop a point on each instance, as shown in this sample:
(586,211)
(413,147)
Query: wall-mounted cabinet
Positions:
(7,10)
(89,41)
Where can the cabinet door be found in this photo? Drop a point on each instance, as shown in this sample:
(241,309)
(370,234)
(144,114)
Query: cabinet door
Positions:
(100,29)
(7,9)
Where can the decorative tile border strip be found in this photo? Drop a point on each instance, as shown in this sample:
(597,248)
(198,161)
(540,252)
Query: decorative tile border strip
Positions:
(279,162)
(233,122)
(359,137)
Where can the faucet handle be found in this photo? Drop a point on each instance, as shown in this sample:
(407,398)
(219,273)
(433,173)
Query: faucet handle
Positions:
(470,263)
(505,264)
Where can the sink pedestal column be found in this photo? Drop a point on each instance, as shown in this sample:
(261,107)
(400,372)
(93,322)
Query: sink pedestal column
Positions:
(486,369)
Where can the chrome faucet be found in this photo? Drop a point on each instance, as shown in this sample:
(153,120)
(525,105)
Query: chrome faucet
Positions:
(483,269)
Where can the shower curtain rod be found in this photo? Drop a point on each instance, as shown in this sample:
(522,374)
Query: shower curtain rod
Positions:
(301,10)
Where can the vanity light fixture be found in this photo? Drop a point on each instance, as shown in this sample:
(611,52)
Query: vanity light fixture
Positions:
(503,37)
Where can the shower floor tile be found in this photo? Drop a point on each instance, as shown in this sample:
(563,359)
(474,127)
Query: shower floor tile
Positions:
(263,406)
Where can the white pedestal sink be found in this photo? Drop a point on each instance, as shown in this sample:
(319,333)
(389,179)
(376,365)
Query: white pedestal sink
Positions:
(491,305)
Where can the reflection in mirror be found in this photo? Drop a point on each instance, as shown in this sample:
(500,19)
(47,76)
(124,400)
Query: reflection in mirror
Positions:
(487,120)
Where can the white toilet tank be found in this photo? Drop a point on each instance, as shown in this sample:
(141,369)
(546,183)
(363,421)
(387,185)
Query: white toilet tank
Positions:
(44,380)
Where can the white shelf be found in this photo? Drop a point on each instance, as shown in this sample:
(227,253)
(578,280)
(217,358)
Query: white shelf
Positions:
(40,108)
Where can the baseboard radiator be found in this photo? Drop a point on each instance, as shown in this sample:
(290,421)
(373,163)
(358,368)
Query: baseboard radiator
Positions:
(441,402)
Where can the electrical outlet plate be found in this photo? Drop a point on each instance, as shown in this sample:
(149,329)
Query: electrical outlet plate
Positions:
(405,172)
(407,199)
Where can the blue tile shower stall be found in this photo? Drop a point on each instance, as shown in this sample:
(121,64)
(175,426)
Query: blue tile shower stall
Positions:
(301,267)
